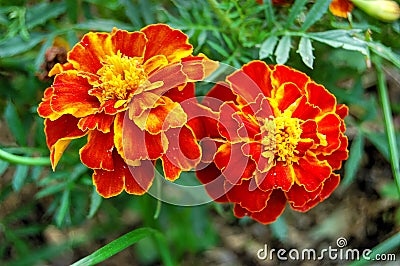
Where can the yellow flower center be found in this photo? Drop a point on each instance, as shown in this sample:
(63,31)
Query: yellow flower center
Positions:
(281,136)
(120,75)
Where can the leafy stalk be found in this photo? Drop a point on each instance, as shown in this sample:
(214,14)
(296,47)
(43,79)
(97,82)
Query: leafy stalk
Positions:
(16,159)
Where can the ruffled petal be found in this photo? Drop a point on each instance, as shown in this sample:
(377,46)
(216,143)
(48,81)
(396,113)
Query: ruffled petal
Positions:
(280,176)
(247,195)
(304,110)
(341,8)
(70,95)
(111,183)
(89,53)
(319,96)
(139,178)
(183,152)
(298,196)
(286,95)
(213,181)
(163,40)
(97,153)
(329,127)
(131,44)
(99,121)
(283,74)
(44,109)
(310,172)
(59,134)
(275,206)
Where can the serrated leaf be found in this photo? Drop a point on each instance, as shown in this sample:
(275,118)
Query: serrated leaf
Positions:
(352,164)
(341,39)
(385,52)
(295,11)
(95,202)
(318,9)
(267,47)
(306,51)
(20,175)
(283,49)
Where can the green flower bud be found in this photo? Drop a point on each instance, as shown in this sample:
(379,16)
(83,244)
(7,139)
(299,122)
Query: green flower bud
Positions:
(384,10)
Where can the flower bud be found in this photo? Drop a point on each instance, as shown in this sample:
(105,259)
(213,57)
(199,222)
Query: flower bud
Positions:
(384,10)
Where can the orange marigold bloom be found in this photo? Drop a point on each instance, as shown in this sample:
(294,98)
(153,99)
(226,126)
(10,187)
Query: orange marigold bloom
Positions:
(112,90)
(279,137)
(341,8)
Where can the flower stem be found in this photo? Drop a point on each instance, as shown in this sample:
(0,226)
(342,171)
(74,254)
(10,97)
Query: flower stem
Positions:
(387,115)
(16,159)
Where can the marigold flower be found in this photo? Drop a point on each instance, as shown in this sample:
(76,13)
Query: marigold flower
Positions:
(279,138)
(341,8)
(116,89)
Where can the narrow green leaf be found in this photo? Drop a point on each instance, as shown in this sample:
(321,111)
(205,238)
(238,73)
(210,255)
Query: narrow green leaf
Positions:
(73,10)
(283,49)
(64,207)
(102,25)
(341,39)
(353,163)
(385,52)
(316,12)
(114,247)
(3,166)
(295,11)
(95,202)
(269,12)
(306,51)
(50,190)
(267,47)
(15,124)
(21,172)
(131,12)
(218,48)
(40,13)
(17,45)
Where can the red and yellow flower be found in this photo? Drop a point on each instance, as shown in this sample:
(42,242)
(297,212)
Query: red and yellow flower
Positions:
(341,8)
(112,91)
(279,138)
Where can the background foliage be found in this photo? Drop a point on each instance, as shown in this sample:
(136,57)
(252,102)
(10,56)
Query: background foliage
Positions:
(58,218)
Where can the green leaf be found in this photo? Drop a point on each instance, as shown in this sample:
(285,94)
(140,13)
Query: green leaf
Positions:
(279,228)
(267,47)
(17,45)
(64,207)
(40,13)
(3,167)
(21,172)
(355,155)
(50,190)
(283,49)
(102,25)
(341,39)
(385,52)
(115,246)
(95,202)
(15,124)
(131,12)
(218,48)
(306,51)
(316,12)
(295,11)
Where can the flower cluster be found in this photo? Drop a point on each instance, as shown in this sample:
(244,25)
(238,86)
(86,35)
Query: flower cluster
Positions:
(278,136)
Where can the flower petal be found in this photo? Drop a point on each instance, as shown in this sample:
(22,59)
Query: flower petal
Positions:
(310,172)
(213,181)
(298,196)
(97,153)
(131,44)
(280,176)
(341,8)
(163,40)
(287,94)
(70,95)
(283,74)
(275,207)
(59,134)
(329,126)
(247,195)
(88,54)
(99,121)
(316,92)
(44,109)
(140,178)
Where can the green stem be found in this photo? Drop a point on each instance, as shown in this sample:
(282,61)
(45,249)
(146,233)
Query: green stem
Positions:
(16,159)
(387,115)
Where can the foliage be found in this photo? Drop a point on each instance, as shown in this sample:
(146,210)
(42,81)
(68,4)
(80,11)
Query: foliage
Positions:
(305,36)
